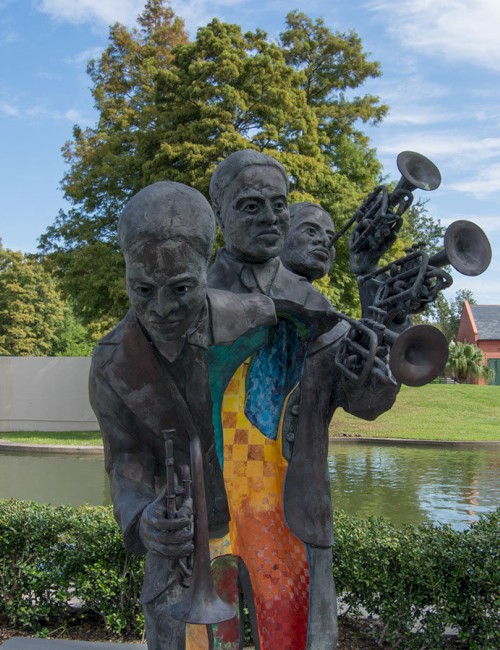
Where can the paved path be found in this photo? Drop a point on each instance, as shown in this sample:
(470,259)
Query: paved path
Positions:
(28,643)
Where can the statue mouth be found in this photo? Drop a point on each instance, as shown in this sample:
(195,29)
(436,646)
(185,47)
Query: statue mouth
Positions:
(269,234)
(321,254)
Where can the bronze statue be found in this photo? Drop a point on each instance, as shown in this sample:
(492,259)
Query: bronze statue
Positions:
(309,250)
(239,381)
(249,195)
(150,375)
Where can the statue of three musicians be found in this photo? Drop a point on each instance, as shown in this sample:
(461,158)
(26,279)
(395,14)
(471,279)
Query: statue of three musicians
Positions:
(241,359)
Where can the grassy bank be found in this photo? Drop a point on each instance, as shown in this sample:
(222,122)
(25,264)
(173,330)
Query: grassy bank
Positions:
(432,412)
(53,437)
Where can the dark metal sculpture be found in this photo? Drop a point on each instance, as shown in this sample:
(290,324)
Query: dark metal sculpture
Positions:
(239,381)
(201,605)
(380,216)
(150,377)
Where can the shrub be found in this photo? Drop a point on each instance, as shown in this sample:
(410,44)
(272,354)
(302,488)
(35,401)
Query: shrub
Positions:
(419,581)
(50,556)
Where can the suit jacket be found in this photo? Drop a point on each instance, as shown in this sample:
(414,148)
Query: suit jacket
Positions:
(135,396)
(293,296)
(310,407)
(309,410)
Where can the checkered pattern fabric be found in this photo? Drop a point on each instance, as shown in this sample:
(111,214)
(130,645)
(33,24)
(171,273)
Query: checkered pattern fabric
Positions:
(254,472)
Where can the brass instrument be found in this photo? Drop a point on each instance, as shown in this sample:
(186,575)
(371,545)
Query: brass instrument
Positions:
(379,218)
(417,355)
(201,604)
(410,283)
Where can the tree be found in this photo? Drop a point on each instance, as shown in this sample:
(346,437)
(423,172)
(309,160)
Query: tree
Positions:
(171,109)
(31,308)
(105,163)
(73,338)
(446,314)
(465,360)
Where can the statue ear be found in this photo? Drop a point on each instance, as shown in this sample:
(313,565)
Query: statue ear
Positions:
(218,218)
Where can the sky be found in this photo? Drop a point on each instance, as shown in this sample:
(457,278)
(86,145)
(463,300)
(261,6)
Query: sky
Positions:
(440,62)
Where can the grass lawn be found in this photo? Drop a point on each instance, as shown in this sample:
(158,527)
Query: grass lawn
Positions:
(432,412)
(53,437)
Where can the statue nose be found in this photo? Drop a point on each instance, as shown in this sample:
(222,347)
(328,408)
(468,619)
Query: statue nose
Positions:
(267,214)
(165,304)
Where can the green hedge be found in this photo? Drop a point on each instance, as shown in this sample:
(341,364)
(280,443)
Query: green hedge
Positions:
(50,556)
(417,580)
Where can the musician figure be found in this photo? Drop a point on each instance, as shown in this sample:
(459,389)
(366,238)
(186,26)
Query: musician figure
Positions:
(309,251)
(151,374)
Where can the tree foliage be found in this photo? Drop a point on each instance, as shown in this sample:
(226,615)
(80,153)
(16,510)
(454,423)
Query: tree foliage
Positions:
(466,361)
(171,109)
(445,314)
(31,308)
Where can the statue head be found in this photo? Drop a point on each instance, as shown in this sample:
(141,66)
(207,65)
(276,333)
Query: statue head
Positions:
(309,248)
(166,232)
(249,193)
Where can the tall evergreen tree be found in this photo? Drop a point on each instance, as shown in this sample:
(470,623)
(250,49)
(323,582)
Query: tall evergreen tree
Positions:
(171,109)
(31,307)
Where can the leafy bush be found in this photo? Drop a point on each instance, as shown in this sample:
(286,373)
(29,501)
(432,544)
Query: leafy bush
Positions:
(419,581)
(51,556)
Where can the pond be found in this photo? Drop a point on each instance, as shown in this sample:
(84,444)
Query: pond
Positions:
(405,483)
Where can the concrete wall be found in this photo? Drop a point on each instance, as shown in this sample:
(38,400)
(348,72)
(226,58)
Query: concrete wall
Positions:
(45,394)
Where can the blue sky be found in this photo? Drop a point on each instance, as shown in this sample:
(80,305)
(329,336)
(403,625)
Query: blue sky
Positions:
(441,78)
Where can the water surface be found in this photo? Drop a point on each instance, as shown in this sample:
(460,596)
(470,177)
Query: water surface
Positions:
(405,483)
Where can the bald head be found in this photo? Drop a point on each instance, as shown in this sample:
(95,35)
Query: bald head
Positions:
(309,248)
(166,233)
(167,211)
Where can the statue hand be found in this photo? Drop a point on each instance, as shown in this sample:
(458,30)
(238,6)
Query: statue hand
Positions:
(171,538)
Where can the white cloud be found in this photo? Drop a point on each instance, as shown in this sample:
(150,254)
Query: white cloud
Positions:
(481,184)
(456,147)
(40,112)
(107,12)
(91,11)
(8,109)
(84,56)
(460,30)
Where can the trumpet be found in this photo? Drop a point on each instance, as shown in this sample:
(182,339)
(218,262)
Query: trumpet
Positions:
(416,356)
(409,284)
(379,218)
(201,604)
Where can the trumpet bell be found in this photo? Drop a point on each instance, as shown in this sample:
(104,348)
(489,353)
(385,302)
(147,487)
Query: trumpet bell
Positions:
(417,171)
(204,607)
(418,355)
(467,248)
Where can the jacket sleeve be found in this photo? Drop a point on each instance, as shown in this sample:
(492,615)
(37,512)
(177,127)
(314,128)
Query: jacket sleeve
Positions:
(129,461)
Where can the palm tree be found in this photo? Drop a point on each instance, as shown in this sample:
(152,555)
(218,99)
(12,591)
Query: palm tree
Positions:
(465,360)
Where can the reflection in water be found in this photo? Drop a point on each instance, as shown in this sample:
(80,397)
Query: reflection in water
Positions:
(406,484)
(74,479)
(409,484)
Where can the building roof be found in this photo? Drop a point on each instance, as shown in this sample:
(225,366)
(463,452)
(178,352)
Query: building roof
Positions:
(487,320)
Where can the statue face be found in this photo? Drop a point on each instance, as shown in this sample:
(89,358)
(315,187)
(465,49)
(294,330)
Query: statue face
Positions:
(309,249)
(254,214)
(166,285)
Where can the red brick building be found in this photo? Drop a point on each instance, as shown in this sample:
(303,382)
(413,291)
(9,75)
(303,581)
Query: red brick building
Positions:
(480,324)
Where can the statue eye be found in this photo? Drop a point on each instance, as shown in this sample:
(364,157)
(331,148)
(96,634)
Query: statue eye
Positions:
(279,205)
(143,291)
(182,289)
(250,207)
